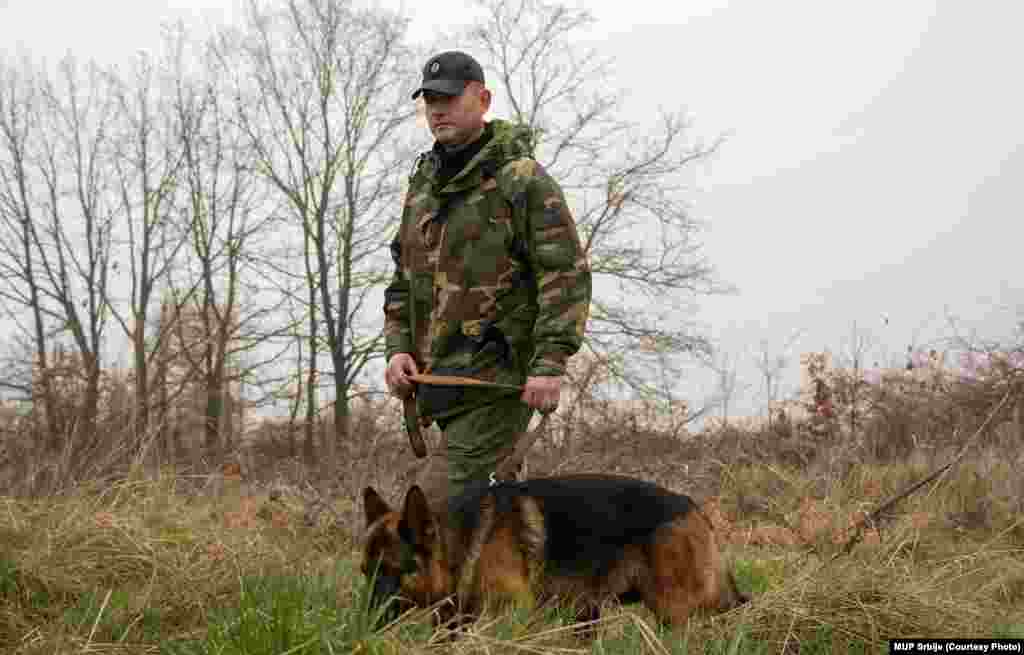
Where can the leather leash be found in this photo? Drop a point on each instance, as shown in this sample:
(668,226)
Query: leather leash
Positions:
(412,424)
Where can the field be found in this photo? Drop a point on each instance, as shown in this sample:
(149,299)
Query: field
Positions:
(167,562)
(156,566)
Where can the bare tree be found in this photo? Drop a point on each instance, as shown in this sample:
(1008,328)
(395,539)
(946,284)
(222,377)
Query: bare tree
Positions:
(298,393)
(853,354)
(626,190)
(225,311)
(723,366)
(772,362)
(19,108)
(149,162)
(322,97)
(57,135)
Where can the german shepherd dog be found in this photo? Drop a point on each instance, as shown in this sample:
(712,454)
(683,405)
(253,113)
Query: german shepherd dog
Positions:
(586,538)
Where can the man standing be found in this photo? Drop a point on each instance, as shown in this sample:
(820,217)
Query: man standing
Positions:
(491,280)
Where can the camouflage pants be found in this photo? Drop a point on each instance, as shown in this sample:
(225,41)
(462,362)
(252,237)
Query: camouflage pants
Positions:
(471,447)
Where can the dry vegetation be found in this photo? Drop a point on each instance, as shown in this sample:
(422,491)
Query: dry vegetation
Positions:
(256,555)
(157,212)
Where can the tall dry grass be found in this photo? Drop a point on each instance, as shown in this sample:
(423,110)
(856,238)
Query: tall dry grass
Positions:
(257,554)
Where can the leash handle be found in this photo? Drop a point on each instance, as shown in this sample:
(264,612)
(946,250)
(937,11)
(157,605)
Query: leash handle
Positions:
(523,443)
(412,426)
(460,381)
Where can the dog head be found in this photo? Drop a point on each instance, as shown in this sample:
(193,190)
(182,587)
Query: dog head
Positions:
(404,553)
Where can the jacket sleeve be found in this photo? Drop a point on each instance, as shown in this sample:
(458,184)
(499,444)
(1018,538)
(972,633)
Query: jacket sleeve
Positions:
(562,273)
(397,327)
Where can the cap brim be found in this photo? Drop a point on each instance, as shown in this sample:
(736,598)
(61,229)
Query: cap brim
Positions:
(447,87)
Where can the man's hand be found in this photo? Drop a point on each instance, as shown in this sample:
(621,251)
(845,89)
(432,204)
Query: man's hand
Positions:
(400,367)
(542,392)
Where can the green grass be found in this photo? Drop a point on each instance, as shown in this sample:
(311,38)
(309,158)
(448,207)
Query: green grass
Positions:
(754,576)
(304,614)
(141,568)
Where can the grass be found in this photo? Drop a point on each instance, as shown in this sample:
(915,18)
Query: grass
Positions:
(291,614)
(146,567)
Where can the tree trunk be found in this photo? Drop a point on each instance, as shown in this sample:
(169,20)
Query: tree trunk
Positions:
(293,411)
(141,423)
(342,415)
(53,436)
(214,413)
(309,446)
(52,440)
(86,433)
(164,448)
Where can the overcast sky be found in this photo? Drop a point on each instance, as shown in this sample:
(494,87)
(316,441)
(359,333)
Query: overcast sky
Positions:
(874,165)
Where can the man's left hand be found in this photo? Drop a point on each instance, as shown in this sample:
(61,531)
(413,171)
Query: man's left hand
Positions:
(542,392)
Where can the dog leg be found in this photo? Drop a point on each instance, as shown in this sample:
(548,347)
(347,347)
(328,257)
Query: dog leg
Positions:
(504,572)
(588,611)
(684,571)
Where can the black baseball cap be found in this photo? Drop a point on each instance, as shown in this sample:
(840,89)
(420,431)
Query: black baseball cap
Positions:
(449,72)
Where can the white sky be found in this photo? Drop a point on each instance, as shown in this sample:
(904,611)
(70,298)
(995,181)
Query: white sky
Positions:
(875,164)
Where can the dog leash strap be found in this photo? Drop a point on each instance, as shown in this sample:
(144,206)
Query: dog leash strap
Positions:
(525,442)
(460,381)
(522,447)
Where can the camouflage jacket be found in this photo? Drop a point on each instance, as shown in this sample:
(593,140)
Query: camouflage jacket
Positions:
(490,280)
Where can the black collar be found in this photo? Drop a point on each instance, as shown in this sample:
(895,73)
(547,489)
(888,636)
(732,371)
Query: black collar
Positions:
(452,163)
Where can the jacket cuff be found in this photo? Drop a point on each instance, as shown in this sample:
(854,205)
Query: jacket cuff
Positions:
(399,346)
(550,364)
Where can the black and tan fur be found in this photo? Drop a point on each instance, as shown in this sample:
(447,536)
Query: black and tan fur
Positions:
(584,538)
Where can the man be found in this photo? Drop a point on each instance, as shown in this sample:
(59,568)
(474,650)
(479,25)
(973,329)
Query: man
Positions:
(491,280)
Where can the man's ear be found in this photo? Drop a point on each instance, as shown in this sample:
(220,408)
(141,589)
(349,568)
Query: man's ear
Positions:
(417,524)
(482,95)
(374,506)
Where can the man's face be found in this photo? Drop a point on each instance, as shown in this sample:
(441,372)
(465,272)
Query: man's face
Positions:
(455,120)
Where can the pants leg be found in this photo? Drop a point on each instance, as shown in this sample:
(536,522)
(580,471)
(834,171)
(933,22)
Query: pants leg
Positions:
(472,445)
(433,479)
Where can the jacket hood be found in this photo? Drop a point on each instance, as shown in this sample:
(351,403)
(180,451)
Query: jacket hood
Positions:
(510,141)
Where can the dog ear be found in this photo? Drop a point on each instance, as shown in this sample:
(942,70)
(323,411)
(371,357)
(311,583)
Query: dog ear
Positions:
(417,525)
(374,506)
